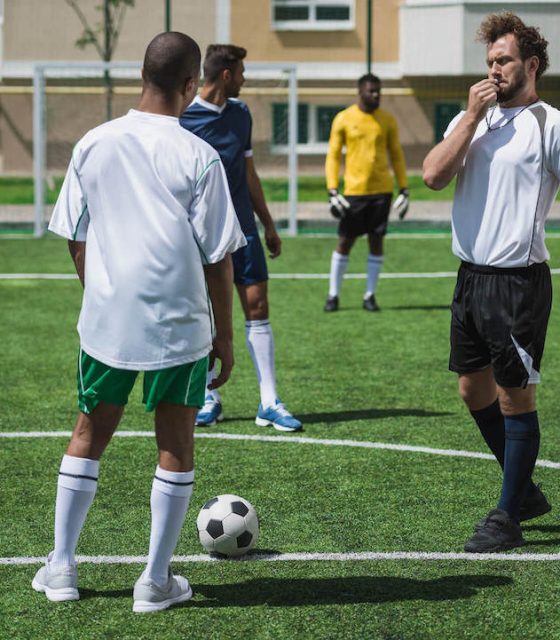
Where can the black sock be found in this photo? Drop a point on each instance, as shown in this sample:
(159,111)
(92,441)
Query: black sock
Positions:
(522,439)
(490,421)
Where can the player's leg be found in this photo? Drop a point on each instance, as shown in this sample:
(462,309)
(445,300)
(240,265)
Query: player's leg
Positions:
(102,394)
(176,394)
(212,410)
(339,263)
(377,212)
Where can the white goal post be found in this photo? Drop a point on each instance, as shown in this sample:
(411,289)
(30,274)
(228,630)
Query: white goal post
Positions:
(68,80)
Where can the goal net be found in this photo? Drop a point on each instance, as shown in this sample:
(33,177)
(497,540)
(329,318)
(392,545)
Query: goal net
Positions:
(70,98)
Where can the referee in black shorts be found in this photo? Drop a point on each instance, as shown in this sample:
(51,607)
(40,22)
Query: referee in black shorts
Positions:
(504,150)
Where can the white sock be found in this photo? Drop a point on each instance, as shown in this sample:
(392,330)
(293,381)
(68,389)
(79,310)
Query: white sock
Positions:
(212,393)
(338,269)
(171,493)
(260,343)
(77,483)
(374,264)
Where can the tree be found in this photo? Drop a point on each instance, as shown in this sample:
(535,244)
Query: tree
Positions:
(103,36)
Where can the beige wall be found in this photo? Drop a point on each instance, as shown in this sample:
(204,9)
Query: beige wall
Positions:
(48,29)
(250,28)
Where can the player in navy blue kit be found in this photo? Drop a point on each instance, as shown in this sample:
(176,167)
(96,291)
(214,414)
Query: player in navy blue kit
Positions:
(225,123)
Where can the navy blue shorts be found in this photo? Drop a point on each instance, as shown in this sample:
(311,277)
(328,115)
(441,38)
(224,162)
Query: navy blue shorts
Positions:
(249,263)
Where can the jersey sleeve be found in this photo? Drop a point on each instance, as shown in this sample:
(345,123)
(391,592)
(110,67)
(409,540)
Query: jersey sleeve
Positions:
(212,215)
(70,218)
(397,156)
(552,146)
(248,151)
(337,141)
(453,123)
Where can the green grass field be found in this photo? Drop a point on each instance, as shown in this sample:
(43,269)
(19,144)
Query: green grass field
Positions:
(353,378)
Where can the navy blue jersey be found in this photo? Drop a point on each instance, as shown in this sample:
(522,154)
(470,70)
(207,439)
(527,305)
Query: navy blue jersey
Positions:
(228,130)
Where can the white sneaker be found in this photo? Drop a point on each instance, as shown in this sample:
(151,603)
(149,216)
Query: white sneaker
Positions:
(58,582)
(150,596)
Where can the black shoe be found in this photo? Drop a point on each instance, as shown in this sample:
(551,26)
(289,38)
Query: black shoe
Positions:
(331,304)
(534,505)
(370,304)
(498,533)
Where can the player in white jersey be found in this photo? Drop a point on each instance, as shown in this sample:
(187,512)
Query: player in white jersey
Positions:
(151,204)
(505,151)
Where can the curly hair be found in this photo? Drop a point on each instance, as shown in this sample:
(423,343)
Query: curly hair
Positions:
(529,39)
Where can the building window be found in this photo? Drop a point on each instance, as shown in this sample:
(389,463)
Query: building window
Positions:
(312,15)
(444,112)
(314,127)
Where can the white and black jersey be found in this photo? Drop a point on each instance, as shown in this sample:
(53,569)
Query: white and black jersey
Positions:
(506,186)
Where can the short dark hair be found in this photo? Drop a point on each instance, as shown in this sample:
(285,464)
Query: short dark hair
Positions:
(219,57)
(368,77)
(170,59)
(529,39)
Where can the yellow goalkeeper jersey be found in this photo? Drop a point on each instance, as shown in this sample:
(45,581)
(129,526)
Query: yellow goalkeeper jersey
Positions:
(369,138)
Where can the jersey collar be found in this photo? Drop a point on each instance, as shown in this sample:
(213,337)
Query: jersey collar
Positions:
(210,105)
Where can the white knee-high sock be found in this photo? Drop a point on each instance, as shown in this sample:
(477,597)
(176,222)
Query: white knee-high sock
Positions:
(213,393)
(260,343)
(171,493)
(374,264)
(77,483)
(339,263)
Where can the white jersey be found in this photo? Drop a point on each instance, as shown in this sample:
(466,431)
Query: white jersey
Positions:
(152,203)
(506,186)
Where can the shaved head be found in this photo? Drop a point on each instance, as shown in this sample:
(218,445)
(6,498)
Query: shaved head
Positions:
(171,59)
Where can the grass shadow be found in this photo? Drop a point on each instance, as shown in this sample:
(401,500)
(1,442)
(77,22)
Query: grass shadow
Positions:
(277,592)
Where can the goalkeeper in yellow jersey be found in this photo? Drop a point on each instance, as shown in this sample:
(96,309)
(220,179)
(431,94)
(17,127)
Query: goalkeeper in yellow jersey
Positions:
(371,138)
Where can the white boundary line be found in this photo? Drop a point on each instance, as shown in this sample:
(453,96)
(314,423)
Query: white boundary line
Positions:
(273,276)
(367,556)
(361,444)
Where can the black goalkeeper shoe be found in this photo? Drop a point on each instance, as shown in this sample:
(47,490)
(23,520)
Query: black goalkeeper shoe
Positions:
(370,304)
(534,505)
(499,532)
(331,304)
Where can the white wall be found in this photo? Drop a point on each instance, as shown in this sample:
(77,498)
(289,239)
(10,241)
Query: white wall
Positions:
(438,37)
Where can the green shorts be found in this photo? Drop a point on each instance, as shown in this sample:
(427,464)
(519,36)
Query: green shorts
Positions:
(184,384)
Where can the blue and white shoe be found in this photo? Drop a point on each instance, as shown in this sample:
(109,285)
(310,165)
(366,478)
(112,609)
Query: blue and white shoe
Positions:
(278,416)
(210,413)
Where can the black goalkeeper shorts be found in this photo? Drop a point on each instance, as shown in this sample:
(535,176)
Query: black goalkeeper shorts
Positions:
(367,214)
(499,317)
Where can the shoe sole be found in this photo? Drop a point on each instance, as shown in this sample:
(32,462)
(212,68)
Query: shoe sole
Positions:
(142,606)
(262,422)
(497,548)
(56,595)
(210,424)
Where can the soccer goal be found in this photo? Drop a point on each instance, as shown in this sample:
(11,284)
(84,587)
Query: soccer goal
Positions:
(71,98)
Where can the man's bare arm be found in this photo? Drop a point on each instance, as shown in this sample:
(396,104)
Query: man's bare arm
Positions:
(271,237)
(443,162)
(219,278)
(78,253)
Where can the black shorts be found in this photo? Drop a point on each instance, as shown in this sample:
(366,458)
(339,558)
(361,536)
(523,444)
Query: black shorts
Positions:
(499,317)
(367,214)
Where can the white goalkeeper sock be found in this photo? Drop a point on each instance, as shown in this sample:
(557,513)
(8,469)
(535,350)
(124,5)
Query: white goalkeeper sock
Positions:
(77,484)
(374,264)
(212,393)
(339,263)
(171,493)
(260,343)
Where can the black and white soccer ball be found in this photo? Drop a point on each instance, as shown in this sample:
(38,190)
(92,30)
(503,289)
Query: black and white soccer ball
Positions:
(228,525)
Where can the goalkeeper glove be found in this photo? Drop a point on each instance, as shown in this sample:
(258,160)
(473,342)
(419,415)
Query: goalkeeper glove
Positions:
(339,204)
(400,206)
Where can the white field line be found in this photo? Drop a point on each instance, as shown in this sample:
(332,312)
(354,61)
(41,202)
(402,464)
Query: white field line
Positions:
(273,276)
(454,453)
(310,557)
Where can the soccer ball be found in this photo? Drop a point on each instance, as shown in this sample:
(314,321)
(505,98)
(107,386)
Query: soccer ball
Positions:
(228,525)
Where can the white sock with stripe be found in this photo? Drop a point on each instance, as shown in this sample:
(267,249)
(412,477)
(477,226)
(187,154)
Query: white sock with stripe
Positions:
(212,393)
(77,484)
(374,264)
(171,493)
(260,343)
(339,263)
